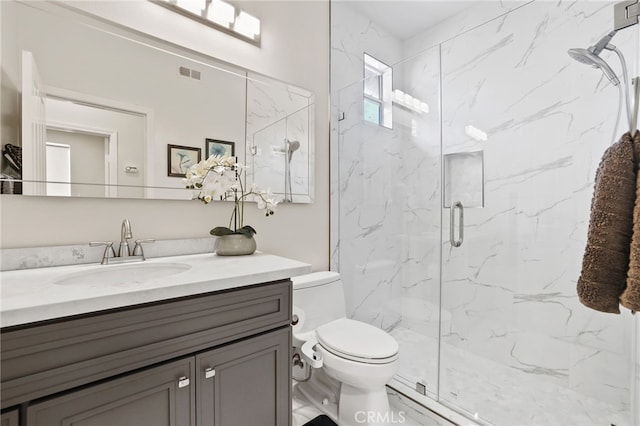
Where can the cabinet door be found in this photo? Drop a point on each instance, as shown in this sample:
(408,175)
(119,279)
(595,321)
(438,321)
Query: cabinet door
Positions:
(10,418)
(157,396)
(246,383)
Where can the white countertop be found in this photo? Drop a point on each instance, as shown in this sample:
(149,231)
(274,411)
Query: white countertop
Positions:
(31,295)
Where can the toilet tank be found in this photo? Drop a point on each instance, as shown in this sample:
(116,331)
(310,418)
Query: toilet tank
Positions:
(320,297)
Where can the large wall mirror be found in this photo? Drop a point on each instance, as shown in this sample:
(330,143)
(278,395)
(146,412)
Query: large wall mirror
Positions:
(91,109)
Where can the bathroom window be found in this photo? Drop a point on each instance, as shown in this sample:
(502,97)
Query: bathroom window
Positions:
(378,93)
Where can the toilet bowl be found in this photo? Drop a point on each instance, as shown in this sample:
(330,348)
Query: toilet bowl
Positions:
(350,361)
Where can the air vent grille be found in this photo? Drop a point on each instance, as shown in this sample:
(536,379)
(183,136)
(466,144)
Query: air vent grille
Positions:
(186,72)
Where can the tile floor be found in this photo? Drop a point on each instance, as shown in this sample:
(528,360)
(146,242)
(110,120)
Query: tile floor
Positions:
(405,412)
(510,397)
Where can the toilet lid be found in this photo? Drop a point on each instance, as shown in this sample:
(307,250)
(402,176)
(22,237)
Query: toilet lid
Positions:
(357,339)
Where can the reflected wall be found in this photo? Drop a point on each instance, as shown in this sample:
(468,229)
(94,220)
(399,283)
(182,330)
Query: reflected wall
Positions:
(183,98)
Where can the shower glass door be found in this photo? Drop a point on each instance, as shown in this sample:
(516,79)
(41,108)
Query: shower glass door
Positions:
(520,147)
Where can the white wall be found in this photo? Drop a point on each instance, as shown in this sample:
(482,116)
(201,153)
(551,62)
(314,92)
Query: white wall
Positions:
(294,48)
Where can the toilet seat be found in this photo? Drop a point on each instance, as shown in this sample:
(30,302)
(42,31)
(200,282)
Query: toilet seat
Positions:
(357,341)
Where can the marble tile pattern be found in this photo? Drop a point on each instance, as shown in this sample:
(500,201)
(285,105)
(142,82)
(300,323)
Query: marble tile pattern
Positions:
(267,165)
(273,115)
(499,400)
(508,294)
(352,36)
(43,257)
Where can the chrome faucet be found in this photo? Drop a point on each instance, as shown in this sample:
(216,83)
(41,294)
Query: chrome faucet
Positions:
(124,253)
(125,235)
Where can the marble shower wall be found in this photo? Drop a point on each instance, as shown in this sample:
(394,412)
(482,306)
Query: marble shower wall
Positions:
(366,189)
(351,36)
(508,294)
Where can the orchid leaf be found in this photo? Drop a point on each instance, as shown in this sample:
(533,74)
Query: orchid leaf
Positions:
(220,231)
(247,230)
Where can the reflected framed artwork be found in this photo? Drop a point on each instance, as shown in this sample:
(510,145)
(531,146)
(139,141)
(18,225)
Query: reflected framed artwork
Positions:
(180,158)
(218,147)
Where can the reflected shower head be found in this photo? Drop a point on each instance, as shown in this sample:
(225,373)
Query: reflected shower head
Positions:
(291,147)
(591,57)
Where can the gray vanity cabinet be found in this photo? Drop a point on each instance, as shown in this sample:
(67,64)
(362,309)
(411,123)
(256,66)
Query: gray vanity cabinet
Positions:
(10,418)
(218,358)
(245,384)
(159,396)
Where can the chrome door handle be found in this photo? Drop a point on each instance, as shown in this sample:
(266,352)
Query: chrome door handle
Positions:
(452,219)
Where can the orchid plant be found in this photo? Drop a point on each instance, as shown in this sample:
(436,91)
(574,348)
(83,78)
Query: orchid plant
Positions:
(220,178)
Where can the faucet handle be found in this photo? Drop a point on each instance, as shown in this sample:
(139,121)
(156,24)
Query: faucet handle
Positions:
(109,252)
(137,250)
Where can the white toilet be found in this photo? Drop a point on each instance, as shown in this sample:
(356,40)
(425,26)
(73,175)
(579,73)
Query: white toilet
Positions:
(351,361)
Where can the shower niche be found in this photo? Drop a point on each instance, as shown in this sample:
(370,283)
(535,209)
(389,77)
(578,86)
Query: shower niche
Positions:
(464,179)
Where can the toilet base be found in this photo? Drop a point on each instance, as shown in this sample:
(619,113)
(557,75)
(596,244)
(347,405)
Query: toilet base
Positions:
(359,407)
(356,407)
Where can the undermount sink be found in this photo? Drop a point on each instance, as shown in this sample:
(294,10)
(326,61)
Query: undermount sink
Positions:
(123,274)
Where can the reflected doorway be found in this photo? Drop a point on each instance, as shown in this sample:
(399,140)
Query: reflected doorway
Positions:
(80,163)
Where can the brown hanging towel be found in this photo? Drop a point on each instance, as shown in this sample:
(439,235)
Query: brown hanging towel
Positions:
(630,298)
(606,256)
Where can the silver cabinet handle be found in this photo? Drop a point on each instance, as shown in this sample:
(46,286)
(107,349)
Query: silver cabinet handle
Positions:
(183,382)
(209,373)
(456,206)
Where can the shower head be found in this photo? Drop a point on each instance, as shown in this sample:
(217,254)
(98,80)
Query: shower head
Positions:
(589,57)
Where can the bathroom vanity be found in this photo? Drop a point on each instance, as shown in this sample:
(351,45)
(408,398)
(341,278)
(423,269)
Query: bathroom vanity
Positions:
(208,345)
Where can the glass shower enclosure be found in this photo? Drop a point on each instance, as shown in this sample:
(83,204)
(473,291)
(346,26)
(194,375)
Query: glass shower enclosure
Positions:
(460,229)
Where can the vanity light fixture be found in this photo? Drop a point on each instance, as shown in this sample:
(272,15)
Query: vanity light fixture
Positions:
(247,25)
(193,6)
(218,14)
(221,13)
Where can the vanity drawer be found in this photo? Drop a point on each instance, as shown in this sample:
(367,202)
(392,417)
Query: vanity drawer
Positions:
(47,358)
